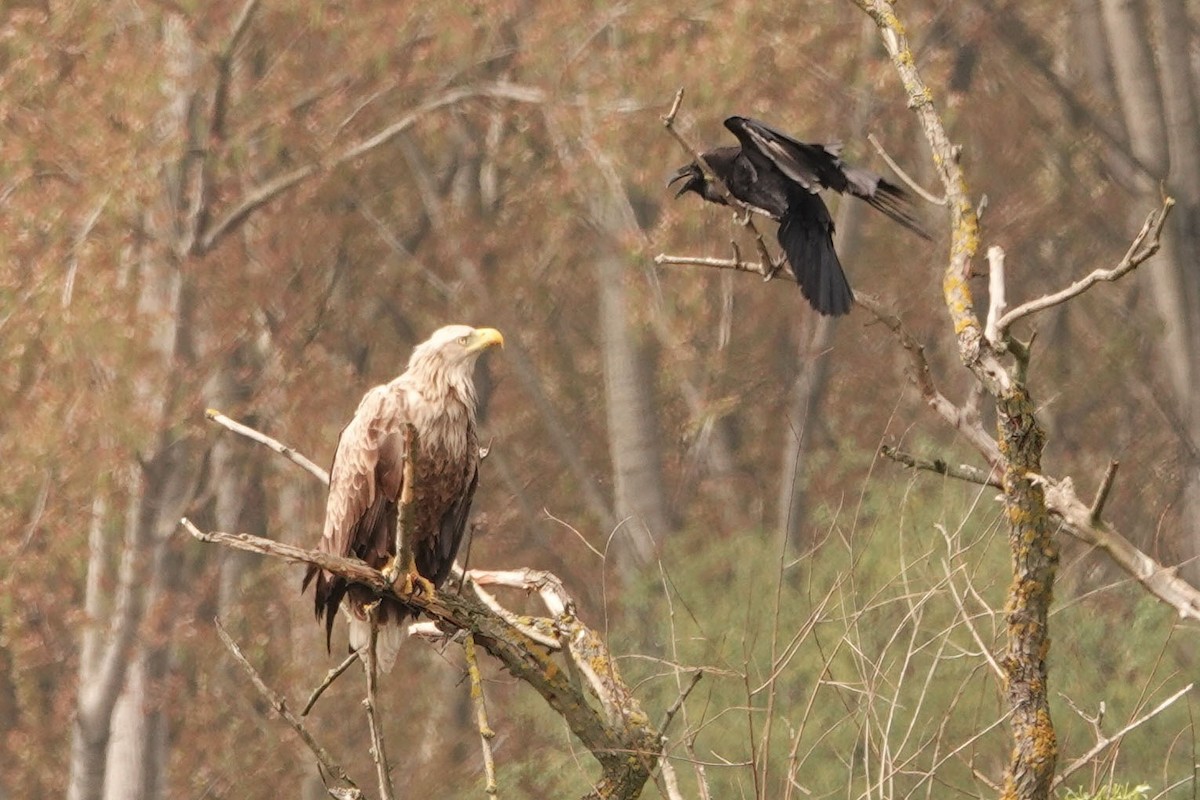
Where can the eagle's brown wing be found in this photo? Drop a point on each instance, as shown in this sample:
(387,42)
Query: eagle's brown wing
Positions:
(364,484)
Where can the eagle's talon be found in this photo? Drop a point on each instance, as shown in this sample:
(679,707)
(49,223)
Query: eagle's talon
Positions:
(414,584)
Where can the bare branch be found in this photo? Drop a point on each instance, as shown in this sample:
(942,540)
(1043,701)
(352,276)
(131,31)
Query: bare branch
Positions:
(736,264)
(963,472)
(330,677)
(961,419)
(620,737)
(257,436)
(280,705)
(486,734)
(378,747)
(698,157)
(904,176)
(1144,245)
(679,701)
(263,194)
(1162,582)
(1099,747)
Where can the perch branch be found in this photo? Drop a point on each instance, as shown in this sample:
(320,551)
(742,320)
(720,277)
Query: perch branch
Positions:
(619,736)
(262,438)
(1144,245)
(280,705)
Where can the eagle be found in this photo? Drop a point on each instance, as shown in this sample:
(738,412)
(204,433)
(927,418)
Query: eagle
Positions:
(778,176)
(436,396)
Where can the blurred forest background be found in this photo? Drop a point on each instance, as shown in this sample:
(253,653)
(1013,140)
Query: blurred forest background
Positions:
(262,208)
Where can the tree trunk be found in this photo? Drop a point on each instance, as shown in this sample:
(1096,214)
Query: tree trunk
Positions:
(632,439)
(1157,99)
(122,754)
(812,368)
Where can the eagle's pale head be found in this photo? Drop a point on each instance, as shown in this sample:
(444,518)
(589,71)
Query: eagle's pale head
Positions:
(456,347)
(440,370)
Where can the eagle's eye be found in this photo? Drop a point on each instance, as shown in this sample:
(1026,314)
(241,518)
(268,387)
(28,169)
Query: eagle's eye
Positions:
(462,340)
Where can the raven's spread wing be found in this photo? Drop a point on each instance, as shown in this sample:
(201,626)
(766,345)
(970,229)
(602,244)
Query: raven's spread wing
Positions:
(819,166)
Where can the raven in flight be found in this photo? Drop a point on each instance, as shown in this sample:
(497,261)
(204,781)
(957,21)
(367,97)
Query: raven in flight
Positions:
(778,176)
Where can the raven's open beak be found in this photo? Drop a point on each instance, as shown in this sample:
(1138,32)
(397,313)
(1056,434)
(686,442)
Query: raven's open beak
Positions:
(686,171)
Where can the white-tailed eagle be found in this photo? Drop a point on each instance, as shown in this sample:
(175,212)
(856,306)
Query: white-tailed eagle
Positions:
(436,395)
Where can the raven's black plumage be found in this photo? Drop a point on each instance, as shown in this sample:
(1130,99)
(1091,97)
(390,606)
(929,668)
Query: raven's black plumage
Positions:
(778,176)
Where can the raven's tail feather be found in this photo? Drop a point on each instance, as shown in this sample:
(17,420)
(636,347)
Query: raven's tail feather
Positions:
(806,235)
(885,197)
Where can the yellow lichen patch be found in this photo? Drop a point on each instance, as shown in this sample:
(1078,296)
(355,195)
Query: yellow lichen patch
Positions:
(1045,743)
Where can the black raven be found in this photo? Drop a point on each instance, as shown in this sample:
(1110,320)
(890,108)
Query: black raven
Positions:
(778,176)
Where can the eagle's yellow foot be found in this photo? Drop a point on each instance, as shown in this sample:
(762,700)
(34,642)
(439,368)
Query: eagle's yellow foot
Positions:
(414,583)
(407,582)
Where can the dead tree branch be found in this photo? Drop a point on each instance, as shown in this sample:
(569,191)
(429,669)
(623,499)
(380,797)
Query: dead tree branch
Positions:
(378,747)
(280,705)
(263,439)
(1077,519)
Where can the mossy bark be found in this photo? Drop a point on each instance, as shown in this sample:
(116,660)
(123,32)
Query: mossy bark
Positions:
(1034,563)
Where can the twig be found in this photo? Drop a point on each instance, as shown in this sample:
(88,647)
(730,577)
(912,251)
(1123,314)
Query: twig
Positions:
(1097,748)
(963,472)
(378,750)
(330,677)
(1106,484)
(904,176)
(280,705)
(996,301)
(486,734)
(678,704)
(262,438)
(962,607)
(1150,236)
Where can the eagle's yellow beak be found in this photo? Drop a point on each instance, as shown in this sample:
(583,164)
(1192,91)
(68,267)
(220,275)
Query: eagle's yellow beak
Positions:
(483,338)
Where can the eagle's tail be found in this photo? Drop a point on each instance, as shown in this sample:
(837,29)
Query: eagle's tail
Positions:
(387,644)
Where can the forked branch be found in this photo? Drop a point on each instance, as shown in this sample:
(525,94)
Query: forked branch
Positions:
(1144,245)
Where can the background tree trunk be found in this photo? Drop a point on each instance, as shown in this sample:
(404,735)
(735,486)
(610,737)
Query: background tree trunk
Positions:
(1156,90)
